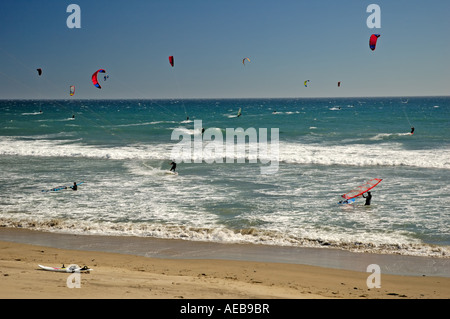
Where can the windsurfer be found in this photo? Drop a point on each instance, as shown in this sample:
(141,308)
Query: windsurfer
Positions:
(368,198)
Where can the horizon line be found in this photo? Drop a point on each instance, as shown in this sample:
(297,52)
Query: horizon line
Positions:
(220,98)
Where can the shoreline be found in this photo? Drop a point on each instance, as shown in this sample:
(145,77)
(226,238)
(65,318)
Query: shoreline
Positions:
(183,270)
(182,249)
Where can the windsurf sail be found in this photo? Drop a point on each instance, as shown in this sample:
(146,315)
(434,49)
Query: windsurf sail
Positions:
(72,90)
(239,112)
(358,191)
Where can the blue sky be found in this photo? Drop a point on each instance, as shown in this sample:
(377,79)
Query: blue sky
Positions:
(288,42)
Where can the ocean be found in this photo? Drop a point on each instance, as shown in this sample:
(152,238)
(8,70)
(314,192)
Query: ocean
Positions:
(322,148)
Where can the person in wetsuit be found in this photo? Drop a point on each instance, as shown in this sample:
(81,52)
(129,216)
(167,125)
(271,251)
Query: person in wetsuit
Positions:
(368,198)
(74,187)
(174,166)
(412,130)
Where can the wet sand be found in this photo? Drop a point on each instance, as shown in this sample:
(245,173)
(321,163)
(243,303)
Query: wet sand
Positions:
(131,267)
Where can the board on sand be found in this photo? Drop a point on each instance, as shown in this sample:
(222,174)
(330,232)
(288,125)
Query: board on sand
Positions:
(71,269)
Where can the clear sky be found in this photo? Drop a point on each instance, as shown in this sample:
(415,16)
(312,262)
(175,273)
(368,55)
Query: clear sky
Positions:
(287,41)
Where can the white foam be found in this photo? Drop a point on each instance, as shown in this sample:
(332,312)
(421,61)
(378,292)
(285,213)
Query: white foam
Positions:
(386,154)
(363,155)
(307,238)
(33,113)
(382,136)
(63,148)
(141,124)
(286,112)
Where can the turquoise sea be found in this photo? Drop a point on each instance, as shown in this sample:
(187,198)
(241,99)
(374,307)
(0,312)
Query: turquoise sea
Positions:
(121,150)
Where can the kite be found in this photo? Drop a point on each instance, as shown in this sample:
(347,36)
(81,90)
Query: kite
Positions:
(94,78)
(339,84)
(72,90)
(171,61)
(373,41)
(305,83)
(243,60)
(39,71)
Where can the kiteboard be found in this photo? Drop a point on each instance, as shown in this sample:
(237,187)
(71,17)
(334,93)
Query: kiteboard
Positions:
(171,172)
(71,269)
(59,188)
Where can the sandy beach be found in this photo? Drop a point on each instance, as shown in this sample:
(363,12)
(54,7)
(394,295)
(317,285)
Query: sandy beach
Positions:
(121,275)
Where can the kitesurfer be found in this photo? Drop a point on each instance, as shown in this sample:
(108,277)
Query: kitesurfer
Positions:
(368,198)
(174,166)
(412,130)
(75,186)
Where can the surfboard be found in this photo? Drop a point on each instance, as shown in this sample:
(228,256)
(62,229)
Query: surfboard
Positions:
(55,189)
(59,188)
(346,201)
(70,269)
